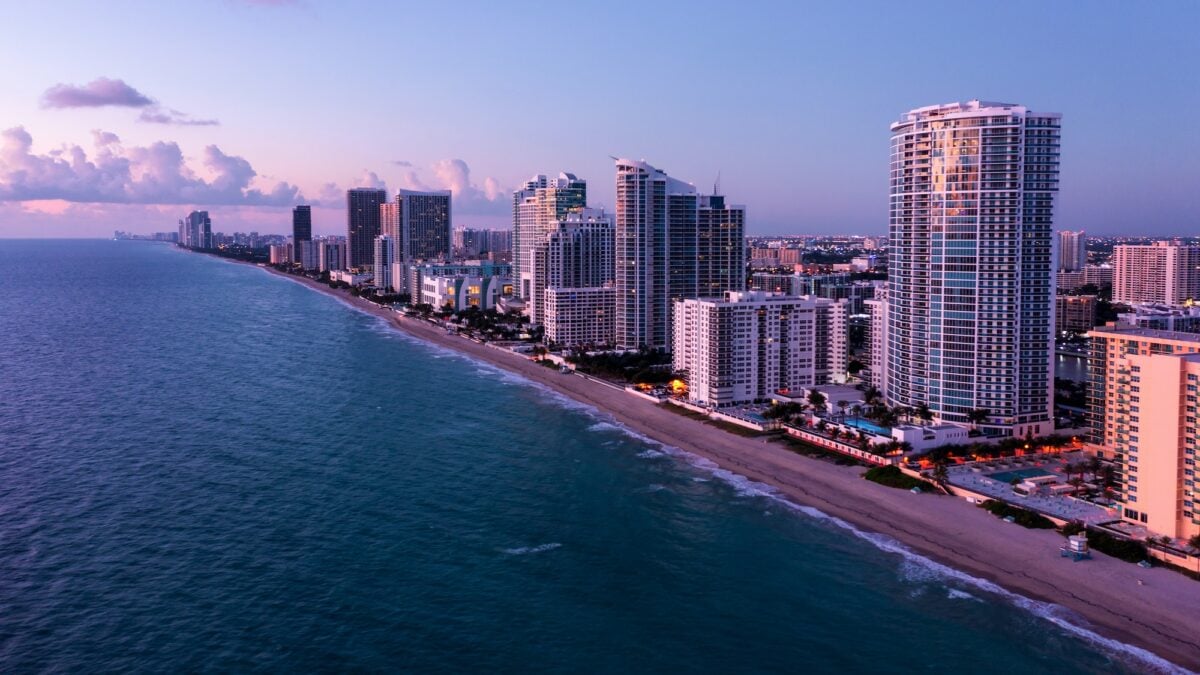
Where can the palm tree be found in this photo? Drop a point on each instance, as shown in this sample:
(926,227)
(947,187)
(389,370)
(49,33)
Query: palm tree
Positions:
(871,395)
(817,400)
(856,411)
(1194,542)
(924,413)
(977,416)
(842,405)
(940,475)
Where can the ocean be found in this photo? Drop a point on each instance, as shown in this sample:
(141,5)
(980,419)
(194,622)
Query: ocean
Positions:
(205,467)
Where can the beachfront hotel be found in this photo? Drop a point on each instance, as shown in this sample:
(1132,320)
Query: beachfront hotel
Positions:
(748,345)
(671,244)
(971,286)
(362,225)
(1142,403)
(1161,272)
(537,205)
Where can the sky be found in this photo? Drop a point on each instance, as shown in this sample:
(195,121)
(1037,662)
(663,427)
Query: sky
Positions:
(127,115)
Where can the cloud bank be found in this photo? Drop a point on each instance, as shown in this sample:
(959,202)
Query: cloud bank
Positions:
(103,92)
(153,174)
(469,198)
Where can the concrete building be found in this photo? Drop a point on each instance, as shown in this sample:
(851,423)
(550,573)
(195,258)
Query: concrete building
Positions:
(196,230)
(1142,404)
(970,285)
(462,291)
(877,340)
(308,254)
(424,223)
(415,274)
(362,225)
(1075,313)
(1161,272)
(749,345)
(580,317)
(671,244)
(280,254)
(576,252)
(1072,250)
(331,255)
(1099,276)
(1163,317)
(384,256)
(539,203)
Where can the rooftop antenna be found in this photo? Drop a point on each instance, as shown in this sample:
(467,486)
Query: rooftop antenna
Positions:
(717,184)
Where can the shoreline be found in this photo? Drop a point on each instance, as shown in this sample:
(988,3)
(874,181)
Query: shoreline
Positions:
(1155,610)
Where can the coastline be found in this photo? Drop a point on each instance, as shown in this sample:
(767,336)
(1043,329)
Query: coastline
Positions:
(1155,610)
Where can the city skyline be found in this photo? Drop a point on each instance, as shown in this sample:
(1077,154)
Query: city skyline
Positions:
(118,141)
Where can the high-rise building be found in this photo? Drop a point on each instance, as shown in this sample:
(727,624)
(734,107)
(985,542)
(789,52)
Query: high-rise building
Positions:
(423,223)
(362,225)
(661,237)
(331,255)
(580,317)
(301,226)
(970,282)
(577,252)
(1142,406)
(540,202)
(308,254)
(196,230)
(1161,272)
(1072,250)
(721,247)
(748,345)
(383,256)
(877,339)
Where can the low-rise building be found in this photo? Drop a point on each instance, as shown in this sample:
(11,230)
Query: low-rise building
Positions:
(1163,317)
(462,291)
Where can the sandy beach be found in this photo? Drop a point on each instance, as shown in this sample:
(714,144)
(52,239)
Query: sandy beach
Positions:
(1156,610)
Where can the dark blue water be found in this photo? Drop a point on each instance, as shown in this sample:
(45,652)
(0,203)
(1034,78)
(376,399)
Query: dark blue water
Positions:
(206,467)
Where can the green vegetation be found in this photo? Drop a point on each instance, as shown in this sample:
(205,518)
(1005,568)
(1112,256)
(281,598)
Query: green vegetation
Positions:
(1122,549)
(720,424)
(650,366)
(1022,517)
(892,476)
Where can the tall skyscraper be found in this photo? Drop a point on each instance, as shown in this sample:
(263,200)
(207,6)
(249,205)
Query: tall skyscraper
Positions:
(197,230)
(1161,272)
(419,223)
(1072,250)
(540,202)
(362,225)
(671,244)
(301,225)
(970,287)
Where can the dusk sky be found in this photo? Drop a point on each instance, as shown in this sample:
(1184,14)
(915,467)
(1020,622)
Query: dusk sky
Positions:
(127,115)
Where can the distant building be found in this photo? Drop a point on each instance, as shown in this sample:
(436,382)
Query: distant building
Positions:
(280,254)
(1075,313)
(877,339)
(196,230)
(721,247)
(424,225)
(748,345)
(1100,276)
(383,256)
(1160,316)
(301,226)
(970,282)
(362,225)
(1161,272)
(308,254)
(1142,405)
(835,286)
(1072,250)
(579,317)
(331,255)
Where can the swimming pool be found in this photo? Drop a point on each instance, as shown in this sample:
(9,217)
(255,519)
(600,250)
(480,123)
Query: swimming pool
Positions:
(868,426)
(1016,474)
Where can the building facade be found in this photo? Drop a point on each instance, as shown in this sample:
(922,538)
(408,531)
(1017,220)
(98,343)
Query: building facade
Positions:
(577,252)
(362,225)
(1143,407)
(877,339)
(580,317)
(748,345)
(462,291)
(331,255)
(1163,317)
(971,298)
(539,204)
(1099,276)
(1072,250)
(383,257)
(301,226)
(1161,272)
(1075,313)
(424,225)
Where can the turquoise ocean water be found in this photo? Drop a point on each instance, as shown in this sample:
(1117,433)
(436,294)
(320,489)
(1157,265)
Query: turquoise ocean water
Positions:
(206,467)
